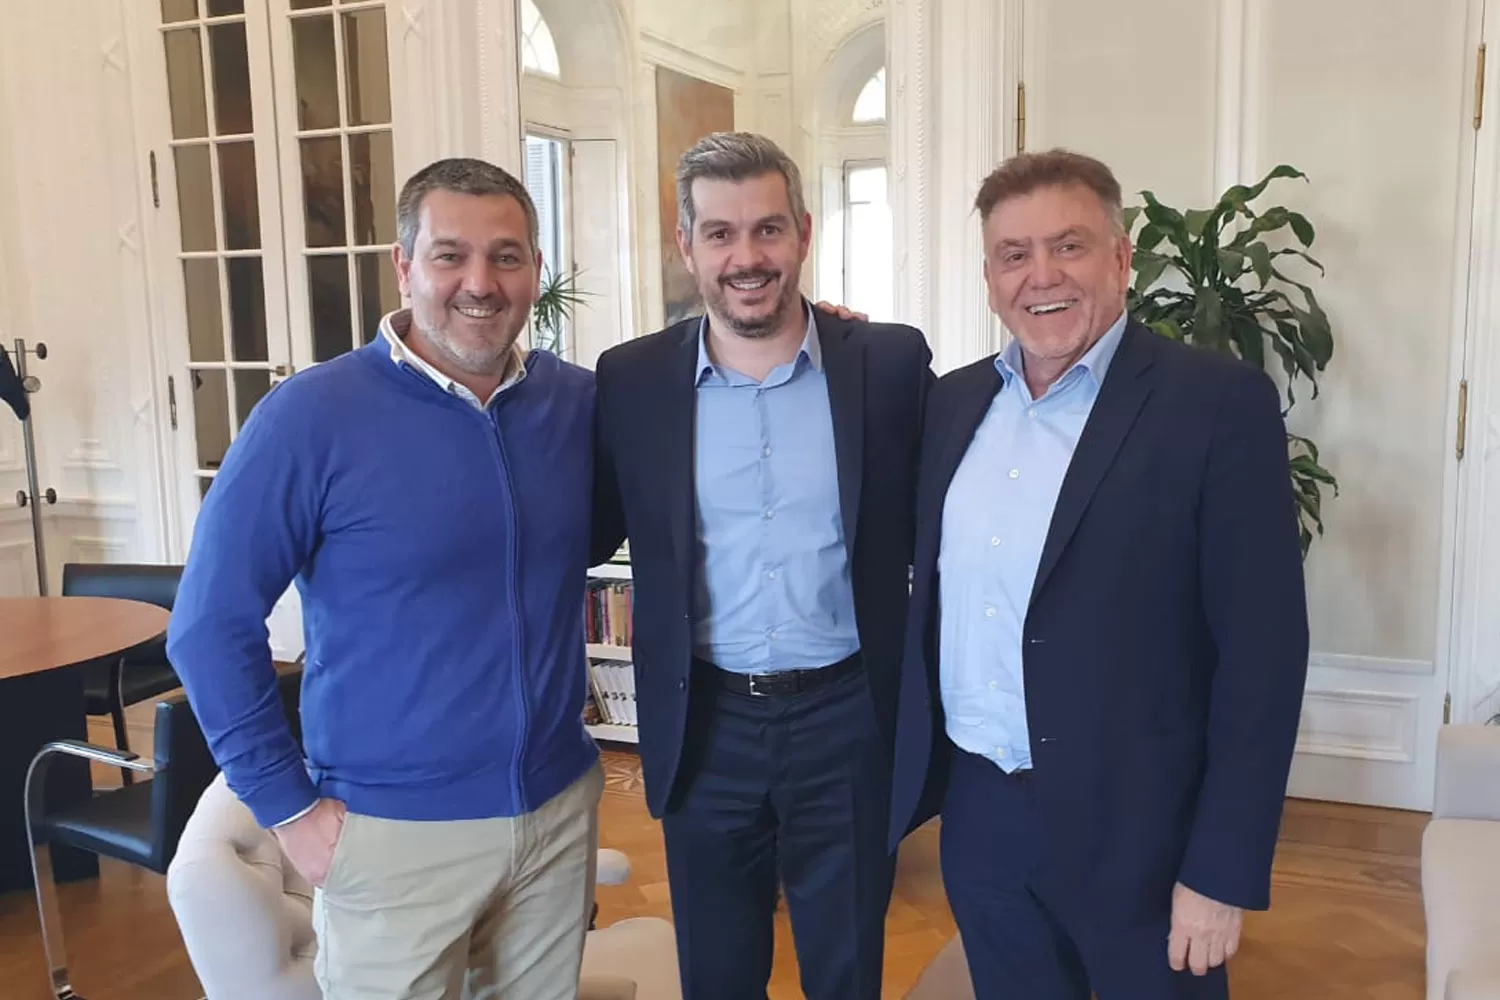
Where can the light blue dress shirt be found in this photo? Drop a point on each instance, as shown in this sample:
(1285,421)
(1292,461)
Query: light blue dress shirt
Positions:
(995,520)
(773,590)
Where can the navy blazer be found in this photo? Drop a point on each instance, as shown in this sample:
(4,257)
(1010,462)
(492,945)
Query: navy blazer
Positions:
(1165,647)
(878,376)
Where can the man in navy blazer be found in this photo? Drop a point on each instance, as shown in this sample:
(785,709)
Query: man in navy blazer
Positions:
(763,459)
(1108,637)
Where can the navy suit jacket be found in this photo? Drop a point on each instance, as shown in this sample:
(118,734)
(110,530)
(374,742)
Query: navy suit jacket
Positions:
(878,376)
(1165,647)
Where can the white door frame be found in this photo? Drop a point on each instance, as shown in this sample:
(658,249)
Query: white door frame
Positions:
(1472,603)
(171,344)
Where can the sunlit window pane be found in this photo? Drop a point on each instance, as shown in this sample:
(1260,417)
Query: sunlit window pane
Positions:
(870,105)
(538,50)
(867,244)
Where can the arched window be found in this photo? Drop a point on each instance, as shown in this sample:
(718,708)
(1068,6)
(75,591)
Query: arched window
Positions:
(866,212)
(869,106)
(538,50)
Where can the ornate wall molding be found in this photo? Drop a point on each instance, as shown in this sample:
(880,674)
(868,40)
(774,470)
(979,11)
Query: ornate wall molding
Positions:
(499,72)
(913,157)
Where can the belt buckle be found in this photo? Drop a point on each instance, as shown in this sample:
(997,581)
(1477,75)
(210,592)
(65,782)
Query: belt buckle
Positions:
(753,680)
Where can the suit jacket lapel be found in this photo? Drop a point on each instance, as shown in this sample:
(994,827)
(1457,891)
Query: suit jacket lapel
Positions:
(844,367)
(676,436)
(1124,391)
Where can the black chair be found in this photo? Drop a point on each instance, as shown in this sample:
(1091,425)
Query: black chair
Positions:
(109,685)
(139,823)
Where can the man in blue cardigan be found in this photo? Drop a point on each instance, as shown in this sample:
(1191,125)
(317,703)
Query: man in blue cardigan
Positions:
(429,496)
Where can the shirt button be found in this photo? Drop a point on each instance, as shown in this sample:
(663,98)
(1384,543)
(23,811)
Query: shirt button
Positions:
(1031,414)
(995,540)
(1015,473)
(994,685)
(766,451)
(774,634)
(1000,752)
(989,611)
(771,574)
(769,514)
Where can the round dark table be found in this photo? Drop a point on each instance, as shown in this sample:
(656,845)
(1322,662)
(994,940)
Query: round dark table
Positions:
(41,700)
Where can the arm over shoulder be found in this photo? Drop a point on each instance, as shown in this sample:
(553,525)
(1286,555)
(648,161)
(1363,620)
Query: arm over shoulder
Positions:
(608,512)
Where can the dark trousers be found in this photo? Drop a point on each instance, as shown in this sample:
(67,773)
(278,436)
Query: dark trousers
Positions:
(1021,940)
(794,787)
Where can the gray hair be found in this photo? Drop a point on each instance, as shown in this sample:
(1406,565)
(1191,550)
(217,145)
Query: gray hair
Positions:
(1025,173)
(463,176)
(735,156)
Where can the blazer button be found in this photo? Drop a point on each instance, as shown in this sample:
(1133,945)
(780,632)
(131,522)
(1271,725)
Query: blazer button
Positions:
(682,685)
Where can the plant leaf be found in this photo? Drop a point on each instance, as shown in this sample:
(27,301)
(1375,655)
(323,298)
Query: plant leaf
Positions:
(1149,269)
(1260,259)
(1294,252)
(1231,264)
(1151,237)
(1167,328)
(1301,227)
(1208,318)
(1240,194)
(1195,218)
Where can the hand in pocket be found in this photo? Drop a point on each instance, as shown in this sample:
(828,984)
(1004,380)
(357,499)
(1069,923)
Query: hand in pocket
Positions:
(309,840)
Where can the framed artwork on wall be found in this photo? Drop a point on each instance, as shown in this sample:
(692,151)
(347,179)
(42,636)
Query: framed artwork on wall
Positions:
(687,109)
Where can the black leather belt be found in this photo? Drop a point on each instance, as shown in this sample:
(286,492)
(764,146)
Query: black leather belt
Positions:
(783,682)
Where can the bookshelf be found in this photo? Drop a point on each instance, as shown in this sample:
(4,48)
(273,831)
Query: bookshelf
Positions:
(608,605)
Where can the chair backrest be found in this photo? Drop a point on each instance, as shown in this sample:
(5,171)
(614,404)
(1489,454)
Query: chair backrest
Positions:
(148,582)
(184,768)
(289,686)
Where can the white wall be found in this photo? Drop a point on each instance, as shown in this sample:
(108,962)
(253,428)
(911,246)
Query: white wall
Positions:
(72,276)
(715,31)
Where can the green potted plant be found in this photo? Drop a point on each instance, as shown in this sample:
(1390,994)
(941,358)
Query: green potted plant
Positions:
(1211,277)
(554,307)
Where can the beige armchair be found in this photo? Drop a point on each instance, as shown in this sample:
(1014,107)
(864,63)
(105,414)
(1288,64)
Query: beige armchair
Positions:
(246,917)
(1461,867)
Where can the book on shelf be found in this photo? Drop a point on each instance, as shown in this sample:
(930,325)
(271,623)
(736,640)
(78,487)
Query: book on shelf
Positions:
(611,693)
(608,612)
(608,609)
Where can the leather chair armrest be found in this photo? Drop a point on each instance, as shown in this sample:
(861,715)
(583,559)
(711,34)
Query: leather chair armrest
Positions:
(94,752)
(36,772)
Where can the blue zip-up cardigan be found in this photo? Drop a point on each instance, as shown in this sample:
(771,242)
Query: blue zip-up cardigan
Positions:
(440,555)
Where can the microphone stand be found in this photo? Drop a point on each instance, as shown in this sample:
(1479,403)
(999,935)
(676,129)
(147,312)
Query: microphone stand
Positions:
(32,496)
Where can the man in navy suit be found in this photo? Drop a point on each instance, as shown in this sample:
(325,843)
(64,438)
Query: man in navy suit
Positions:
(1108,637)
(763,458)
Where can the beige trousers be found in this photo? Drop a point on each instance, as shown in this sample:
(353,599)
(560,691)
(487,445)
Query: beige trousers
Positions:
(492,909)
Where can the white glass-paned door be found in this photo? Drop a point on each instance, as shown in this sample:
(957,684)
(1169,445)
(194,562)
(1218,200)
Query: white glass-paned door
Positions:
(220,206)
(334,105)
(275,189)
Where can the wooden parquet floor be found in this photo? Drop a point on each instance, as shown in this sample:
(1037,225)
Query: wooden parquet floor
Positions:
(1346,919)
